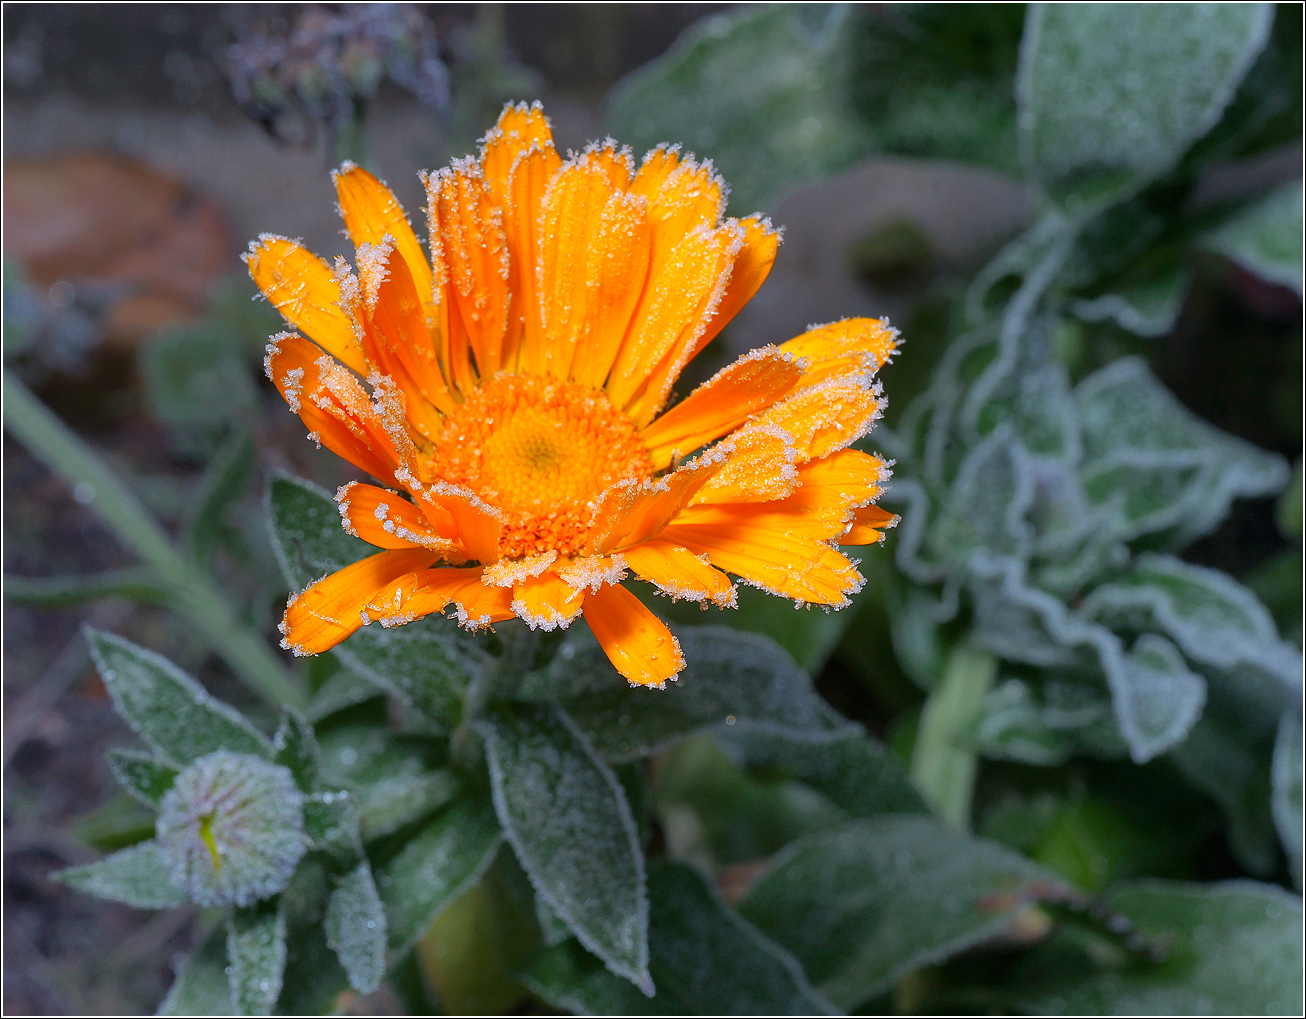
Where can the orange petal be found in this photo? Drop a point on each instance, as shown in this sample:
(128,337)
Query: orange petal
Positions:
(519,127)
(868,526)
(546,602)
(691,195)
(759,468)
(475,252)
(470,523)
(722,404)
(424,592)
(637,643)
(673,309)
(657,165)
(372,213)
(397,340)
(827,416)
(679,573)
(573,207)
(330,610)
(527,184)
(387,519)
(337,410)
(302,287)
(751,268)
(616,271)
(784,563)
(631,512)
(845,347)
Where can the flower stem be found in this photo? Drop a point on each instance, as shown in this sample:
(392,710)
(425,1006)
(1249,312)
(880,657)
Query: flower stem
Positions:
(944,763)
(193,593)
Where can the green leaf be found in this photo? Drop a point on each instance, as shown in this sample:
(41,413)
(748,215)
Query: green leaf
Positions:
(225,481)
(168,709)
(393,802)
(356,929)
(857,774)
(256,951)
(763,92)
(1233,948)
(142,775)
(137,876)
(1157,467)
(567,818)
(864,905)
(730,678)
(1048,725)
(428,663)
(195,376)
(1214,620)
(704,958)
(140,583)
(1286,797)
(1111,97)
(332,822)
(1265,237)
(986,506)
(202,987)
(435,867)
(296,748)
(315,982)
(1146,306)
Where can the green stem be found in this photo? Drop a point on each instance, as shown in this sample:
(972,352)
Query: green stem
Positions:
(194,595)
(943,763)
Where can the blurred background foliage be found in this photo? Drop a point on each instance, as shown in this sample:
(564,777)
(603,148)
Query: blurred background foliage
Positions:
(1081,649)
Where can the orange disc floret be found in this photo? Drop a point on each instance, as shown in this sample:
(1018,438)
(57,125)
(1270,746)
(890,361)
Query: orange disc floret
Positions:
(542,452)
(516,387)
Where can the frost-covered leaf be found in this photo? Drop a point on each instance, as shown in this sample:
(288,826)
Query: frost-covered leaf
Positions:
(1233,948)
(1286,783)
(225,481)
(168,709)
(1047,726)
(1154,465)
(356,929)
(763,92)
(256,953)
(427,663)
(864,905)
(333,824)
(1158,694)
(295,748)
(137,876)
(142,775)
(441,861)
(1146,306)
(986,506)
(342,690)
(566,816)
(1214,620)
(1112,96)
(704,959)
(202,986)
(856,773)
(389,804)
(314,980)
(730,678)
(1265,237)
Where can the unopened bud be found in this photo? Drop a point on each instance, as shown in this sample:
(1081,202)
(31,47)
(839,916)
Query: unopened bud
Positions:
(232,829)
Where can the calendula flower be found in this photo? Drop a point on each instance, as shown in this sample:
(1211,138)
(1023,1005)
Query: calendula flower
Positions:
(514,386)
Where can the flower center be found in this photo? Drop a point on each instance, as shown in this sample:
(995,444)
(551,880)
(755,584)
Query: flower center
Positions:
(542,451)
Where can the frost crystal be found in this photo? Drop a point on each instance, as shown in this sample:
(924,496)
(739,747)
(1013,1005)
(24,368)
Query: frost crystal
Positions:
(232,829)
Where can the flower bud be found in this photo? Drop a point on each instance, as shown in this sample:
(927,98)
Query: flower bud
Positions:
(232,829)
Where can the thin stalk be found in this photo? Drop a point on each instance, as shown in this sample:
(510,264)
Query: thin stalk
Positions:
(944,763)
(193,592)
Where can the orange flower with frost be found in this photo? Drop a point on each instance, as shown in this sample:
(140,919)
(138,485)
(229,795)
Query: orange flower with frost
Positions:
(512,386)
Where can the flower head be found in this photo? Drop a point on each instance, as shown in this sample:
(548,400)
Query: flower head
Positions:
(516,388)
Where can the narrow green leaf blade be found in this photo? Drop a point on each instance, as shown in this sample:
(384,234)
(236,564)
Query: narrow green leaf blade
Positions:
(356,928)
(142,775)
(137,876)
(565,814)
(434,868)
(256,953)
(168,709)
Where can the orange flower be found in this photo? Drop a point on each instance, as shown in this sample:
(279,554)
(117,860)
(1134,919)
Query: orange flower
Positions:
(515,386)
